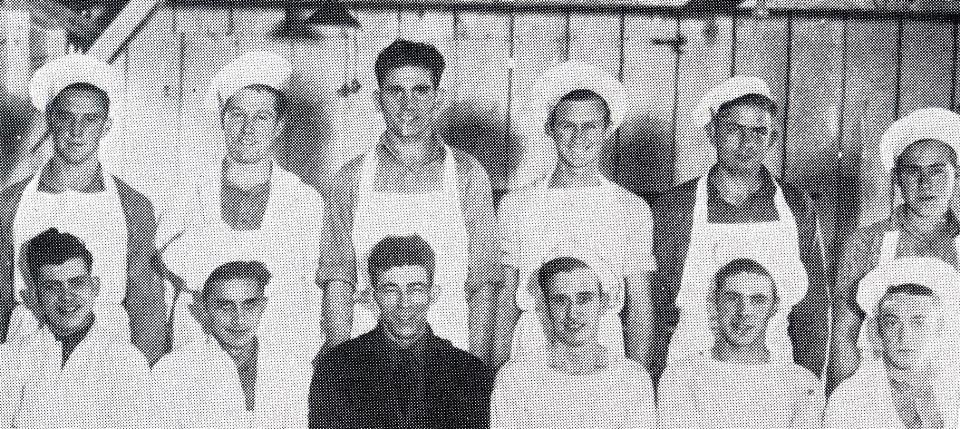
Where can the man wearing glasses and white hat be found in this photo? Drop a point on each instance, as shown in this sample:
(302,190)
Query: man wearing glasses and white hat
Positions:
(920,153)
(738,206)
(908,376)
(73,192)
(580,107)
(249,207)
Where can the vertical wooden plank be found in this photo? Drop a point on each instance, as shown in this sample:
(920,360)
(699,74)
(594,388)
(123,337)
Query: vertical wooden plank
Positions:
(18,115)
(539,41)
(17,50)
(477,118)
(813,119)
(211,20)
(363,123)
(254,31)
(761,47)
(870,106)
(927,64)
(645,144)
(704,63)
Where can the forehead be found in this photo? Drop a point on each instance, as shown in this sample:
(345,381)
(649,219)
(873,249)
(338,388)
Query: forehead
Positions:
(906,305)
(251,99)
(408,76)
(748,284)
(71,268)
(745,113)
(573,282)
(235,289)
(403,275)
(79,100)
(926,152)
(580,110)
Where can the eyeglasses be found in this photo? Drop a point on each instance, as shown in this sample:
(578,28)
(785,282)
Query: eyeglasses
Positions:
(733,128)
(74,285)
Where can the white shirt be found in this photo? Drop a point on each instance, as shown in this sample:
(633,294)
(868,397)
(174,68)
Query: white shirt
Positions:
(701,392)
(105,383)
(199,387)
(531,394)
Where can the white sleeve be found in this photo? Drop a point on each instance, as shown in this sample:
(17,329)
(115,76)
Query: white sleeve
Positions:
(837,414)
(161,396)
(506,402)
(508,230)
(10,386)
(808,410)
(641,410)
(638,256)
(676,408)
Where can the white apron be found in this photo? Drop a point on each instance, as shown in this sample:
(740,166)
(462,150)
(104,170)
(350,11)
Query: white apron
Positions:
(436,216)
(98,220)
(775,245)
(287,242)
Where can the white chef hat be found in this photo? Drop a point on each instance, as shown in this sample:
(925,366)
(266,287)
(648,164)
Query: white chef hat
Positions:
(252,68)
(609,281)
(922,124)
(730,89)
(54,76)
(941,277)
(566,77)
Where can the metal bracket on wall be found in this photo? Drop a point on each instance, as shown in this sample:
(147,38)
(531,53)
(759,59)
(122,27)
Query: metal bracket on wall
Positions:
(676,43)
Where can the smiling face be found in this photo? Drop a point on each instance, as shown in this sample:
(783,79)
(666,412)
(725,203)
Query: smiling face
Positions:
(251,125)
(409,101)
(908,326)
(403,294)
(745,303)
(927,177)
(233,308)
(742,136)
(578,129)
(575,304)
(77,120)
(66,294)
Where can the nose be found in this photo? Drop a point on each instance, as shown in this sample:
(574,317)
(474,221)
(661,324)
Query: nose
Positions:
(76,128)
(247,125)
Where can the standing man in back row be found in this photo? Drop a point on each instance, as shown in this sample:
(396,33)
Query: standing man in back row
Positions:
(738,210)
(411,182)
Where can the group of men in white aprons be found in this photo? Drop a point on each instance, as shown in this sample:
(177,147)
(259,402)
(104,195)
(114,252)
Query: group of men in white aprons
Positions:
(708,310)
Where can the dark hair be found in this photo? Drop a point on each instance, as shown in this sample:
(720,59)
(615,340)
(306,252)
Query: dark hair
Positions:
(581,95)
(279,98)
(52,247)
(563,264)
(951,154)
(403,53)
(748,99)
(739,266)
(252,270)
(98,92)
(400,251)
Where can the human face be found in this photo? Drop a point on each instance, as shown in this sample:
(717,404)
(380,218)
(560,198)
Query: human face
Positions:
(403,295)
(251,125)
(745,304)
(575,304)
(742,136)
(908,326)
(409,102)
(927,177)
(233,308)
(77,120)
(578,129)
(66,294)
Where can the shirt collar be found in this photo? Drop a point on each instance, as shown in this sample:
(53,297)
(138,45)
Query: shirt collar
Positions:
(767,187)
(384,152)
(69,343)
(899,220)
(95,185)
(418,348)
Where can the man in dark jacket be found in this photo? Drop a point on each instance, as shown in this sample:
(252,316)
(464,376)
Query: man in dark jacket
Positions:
(400,375)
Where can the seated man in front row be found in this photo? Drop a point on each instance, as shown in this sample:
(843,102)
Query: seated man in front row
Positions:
(400,375)
(235,377)
(735,384)
(75,373)
(580,385)
(909,381)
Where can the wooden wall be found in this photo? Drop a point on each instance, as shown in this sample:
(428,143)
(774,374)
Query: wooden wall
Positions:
(840,80)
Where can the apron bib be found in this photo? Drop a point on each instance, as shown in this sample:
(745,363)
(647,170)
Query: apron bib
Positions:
(437,217)
(774,245)
(97,219)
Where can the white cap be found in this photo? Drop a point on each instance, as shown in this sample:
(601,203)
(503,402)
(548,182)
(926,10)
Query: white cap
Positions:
(252,68)
(727,91)
(54,76)
(609,281)
(922,124)
(941,277)
(564,78)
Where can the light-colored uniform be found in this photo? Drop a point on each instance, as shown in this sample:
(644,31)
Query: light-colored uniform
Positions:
(772,244)
(287,242)
(199,387)
(531,394)
(105,383)
(701,392)
(605,220)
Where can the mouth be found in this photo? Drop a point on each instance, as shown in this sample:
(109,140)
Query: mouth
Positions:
(741,329)
(68,310)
